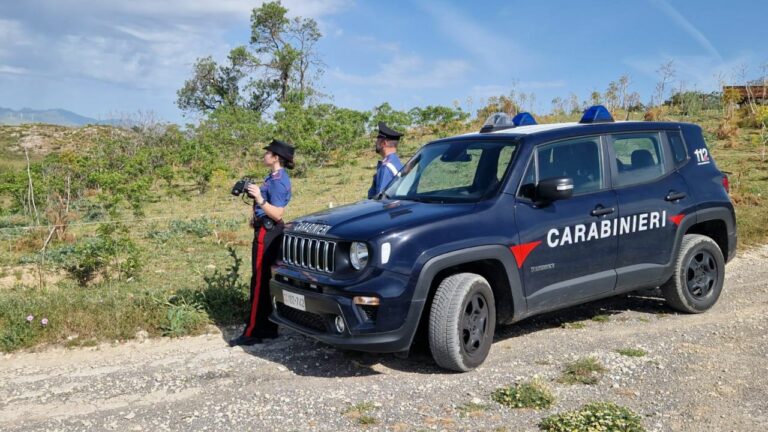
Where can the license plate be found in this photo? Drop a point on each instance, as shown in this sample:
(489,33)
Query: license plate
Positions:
(295,301)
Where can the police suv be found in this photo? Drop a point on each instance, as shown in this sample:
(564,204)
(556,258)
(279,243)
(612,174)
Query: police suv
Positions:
(519,219)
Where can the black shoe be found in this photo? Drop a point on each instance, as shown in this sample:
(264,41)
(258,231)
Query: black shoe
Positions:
(244,340)
(266,335)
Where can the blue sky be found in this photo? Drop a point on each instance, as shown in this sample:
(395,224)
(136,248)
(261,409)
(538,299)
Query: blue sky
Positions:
(113,58)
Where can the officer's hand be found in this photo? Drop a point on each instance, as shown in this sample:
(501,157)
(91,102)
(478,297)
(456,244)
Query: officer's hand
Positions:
(254,191)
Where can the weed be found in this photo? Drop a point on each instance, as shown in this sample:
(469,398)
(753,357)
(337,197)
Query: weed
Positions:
(200,227)
(632,352)
(360,412)
(583,371)
(573,325)
(594,417)
(182,319)
(532,394)
(472,409)
(601,318)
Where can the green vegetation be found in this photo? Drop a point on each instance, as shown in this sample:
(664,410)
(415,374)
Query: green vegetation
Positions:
(587,370)
(632,352)
(594,417)
(109,231)
(471,409)
(360,412)
(532,394)
(601,318)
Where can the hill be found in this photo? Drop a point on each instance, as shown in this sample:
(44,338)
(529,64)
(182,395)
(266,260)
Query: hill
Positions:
(59,117)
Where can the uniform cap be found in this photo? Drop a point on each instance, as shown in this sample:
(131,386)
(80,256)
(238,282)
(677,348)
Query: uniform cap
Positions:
(388,133)
(283,149)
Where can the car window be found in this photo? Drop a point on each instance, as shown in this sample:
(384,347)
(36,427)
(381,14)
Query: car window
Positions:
(442,175)
(578,159)
(678,147)
(639,158)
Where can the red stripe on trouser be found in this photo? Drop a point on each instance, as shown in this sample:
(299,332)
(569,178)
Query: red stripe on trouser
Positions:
(257,266)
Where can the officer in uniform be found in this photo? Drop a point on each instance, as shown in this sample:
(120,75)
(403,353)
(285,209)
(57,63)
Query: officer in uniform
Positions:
(270,201)
(388,167)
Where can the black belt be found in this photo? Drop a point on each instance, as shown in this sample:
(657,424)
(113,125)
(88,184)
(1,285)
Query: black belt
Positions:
(265,221)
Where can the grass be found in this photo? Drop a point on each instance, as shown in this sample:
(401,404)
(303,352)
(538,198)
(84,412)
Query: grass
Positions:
(601,318)
(533,394)
(184,235)
(573,325)
(360,412)
(472,409)
(594,417)
(632,352)
(587,370)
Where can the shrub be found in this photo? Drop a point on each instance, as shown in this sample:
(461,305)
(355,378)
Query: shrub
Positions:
(585,371)
(182,318)
(527,395)
(632,352)
(200,227)
(111,254)
(594,417)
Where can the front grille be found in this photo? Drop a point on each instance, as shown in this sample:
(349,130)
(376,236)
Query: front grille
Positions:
(302,318)
(309,253)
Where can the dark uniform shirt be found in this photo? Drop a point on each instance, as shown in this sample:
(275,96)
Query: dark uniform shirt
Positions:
(276,190)
(386,170)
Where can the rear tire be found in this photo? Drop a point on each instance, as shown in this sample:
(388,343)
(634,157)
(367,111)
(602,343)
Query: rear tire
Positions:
(699,274)
(462,321)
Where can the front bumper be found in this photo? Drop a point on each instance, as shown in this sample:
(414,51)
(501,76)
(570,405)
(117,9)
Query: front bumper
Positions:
(391,330)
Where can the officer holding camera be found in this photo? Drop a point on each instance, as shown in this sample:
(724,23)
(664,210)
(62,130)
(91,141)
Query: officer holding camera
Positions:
(270,201)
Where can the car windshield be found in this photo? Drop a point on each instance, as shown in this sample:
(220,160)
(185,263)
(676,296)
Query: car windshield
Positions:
(454,171)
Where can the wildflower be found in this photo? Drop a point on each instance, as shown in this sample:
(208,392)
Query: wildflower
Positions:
(44,321)
(30,318)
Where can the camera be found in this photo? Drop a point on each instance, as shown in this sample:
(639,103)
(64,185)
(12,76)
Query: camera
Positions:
(241,185)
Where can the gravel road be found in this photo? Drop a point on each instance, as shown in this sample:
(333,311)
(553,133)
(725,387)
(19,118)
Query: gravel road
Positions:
(702,372)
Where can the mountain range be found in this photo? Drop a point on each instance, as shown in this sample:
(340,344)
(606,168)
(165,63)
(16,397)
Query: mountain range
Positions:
(59,117)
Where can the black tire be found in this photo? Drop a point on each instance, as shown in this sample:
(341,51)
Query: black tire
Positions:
(699,274)
(462,321)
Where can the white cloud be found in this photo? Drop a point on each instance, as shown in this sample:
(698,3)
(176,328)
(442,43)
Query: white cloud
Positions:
(694,72)
(409,72)
(493,49)
(688,27)
(11,70)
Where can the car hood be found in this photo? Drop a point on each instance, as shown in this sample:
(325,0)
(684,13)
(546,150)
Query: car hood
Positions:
(367,219)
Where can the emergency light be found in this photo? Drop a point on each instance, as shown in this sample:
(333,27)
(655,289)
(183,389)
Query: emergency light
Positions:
(500,121)
(596,114)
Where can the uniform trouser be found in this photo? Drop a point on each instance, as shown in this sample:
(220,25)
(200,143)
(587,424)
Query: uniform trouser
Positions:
(266,246)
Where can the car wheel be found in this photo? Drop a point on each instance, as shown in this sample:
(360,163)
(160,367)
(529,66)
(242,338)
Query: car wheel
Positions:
(462,321)
(699,274)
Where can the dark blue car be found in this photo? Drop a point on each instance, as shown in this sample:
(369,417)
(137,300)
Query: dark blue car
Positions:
(490,228)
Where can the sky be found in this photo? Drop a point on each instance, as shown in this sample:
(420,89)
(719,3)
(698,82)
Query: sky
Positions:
(106,59)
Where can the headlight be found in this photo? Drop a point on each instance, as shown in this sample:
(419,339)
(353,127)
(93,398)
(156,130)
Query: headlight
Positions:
(358,255)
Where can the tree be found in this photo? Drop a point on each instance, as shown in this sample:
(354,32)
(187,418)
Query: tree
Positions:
(280,59)
(666,72)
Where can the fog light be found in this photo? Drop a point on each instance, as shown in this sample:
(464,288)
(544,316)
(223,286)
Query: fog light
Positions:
(365,301)
(340,326)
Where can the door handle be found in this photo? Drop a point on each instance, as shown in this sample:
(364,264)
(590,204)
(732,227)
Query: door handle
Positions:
(674,196)
(602,211)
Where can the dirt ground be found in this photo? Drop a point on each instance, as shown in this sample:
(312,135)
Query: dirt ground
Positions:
(702,372)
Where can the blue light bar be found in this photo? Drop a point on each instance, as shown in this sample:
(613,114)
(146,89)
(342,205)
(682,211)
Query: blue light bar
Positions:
(523,119)
(596,114)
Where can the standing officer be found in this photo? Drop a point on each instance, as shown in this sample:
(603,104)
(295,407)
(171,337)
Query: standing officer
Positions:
(389,165)
(270,200)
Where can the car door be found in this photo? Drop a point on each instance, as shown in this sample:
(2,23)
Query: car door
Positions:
(652,197)
(566,253)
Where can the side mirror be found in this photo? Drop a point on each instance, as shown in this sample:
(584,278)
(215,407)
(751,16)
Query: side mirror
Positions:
(553,189)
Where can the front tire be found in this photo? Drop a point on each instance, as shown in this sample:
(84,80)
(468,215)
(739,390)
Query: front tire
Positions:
(462,321)
(699,274)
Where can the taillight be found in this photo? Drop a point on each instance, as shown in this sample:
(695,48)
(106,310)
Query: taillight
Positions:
(726,184)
